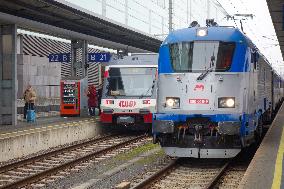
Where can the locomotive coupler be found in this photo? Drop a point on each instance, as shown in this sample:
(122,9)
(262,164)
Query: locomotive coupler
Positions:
(198,133)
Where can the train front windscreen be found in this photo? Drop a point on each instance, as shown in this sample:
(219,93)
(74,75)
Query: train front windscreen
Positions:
(199,56)
(131,81)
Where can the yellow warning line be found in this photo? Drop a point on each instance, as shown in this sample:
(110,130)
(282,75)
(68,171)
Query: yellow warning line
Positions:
(278,165)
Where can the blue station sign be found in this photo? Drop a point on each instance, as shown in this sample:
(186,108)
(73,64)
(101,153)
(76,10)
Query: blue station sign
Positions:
(99,57)
(59,57)
(92,57)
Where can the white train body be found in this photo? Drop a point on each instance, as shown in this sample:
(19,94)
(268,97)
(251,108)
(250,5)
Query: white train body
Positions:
(130,90)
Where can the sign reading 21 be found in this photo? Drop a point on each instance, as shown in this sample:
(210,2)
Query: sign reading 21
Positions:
(92,57)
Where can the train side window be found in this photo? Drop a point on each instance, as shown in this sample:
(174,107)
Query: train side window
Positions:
(252,57)
(264,75)
(225,56)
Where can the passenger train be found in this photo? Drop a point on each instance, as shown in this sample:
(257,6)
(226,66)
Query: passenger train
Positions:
(130,91)
(215,91)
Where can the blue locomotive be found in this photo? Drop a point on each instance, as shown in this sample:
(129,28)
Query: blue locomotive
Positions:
(215,91)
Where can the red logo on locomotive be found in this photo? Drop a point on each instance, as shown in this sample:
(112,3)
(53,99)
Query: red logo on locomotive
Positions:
(199,87)
(127,104)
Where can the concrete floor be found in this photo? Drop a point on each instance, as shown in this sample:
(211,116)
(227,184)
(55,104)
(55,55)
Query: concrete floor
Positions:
(266,170)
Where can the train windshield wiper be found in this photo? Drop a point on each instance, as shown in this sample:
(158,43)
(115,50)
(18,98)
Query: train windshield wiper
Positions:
(210,69)
(152,86)
(205,73)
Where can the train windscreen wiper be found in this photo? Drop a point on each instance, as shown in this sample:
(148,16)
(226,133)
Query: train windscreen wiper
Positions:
(205,73)
(210,69)
(152,86)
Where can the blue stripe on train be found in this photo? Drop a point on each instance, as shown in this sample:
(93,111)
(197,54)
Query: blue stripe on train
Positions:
(183,117)
(244,118)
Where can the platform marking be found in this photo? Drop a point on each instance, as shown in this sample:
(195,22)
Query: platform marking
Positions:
(278,165)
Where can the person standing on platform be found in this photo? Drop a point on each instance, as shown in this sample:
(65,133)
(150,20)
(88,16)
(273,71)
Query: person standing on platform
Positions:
(92,100)
(99,92)
(29,97)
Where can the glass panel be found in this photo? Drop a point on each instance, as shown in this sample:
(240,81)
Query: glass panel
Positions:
(131,81)
(199,56)
(69,93)
(225,56)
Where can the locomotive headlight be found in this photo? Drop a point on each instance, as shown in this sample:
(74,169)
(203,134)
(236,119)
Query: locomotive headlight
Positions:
(201,32)
(172,102)
(226,102)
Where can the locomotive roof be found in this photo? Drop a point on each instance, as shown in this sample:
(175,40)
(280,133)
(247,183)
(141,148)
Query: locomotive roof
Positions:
(135,60)
(214,33)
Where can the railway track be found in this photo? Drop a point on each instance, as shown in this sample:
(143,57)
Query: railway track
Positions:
(232,177)
(197,173)
(38,171)
(179,173)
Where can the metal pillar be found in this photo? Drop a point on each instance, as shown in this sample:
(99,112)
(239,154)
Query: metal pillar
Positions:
(170,16)
(150,21)
(84,58)
(8,74)
(190,11)
(79,47)
(126,12)
(104,7)
(208,9)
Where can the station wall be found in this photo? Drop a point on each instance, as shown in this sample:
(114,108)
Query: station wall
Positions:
(34,68)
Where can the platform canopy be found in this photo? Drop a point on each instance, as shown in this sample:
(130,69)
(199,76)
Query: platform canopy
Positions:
(276,8)
(63,19)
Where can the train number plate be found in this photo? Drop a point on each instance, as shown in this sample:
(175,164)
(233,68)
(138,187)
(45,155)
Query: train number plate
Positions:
(198,101)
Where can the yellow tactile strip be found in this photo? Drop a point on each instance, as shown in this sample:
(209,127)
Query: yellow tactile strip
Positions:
(279,164)
(46,128)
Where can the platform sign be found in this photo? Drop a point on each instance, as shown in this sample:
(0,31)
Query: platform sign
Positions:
(59,57)
(99,57)
(92,57)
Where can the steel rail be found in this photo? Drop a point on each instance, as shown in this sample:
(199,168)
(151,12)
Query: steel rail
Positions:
(28,180)
(218,176)
(149,181)
(14,165)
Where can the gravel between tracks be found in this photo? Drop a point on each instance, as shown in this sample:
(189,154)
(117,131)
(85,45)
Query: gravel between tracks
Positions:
(110,172)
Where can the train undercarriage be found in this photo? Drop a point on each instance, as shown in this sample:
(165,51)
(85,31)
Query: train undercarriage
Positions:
(200,138)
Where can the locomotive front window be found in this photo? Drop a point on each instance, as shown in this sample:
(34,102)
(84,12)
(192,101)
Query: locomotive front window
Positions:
(131,81)
(225,56)
(199,56)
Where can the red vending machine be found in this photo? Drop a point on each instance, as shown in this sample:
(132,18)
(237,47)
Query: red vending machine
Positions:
(73,97)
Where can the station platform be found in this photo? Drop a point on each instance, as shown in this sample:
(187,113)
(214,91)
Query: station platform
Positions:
(28,138)
(40,122)
(266,170)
